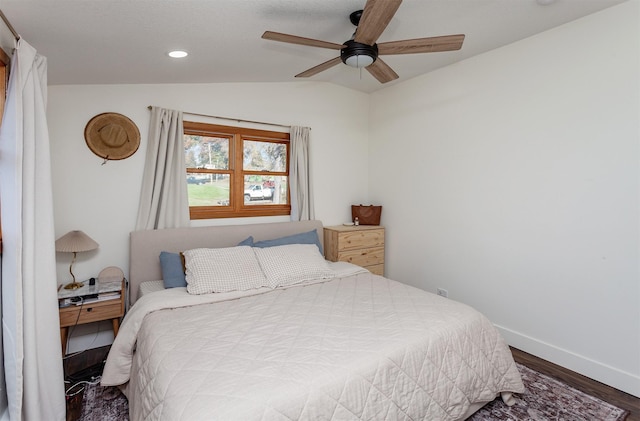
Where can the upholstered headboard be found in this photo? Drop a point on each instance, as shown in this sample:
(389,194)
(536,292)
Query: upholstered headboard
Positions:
(144,264)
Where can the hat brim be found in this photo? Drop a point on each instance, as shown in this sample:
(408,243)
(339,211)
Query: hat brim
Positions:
(112,136)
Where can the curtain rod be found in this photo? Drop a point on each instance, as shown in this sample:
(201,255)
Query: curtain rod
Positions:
(6,21)
(239,120)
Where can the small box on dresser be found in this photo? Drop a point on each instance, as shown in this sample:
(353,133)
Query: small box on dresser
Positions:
(362,245)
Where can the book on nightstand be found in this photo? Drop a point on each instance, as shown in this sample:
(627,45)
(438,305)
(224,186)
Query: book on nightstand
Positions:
(90,294)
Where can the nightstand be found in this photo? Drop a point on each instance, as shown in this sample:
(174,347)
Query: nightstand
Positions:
(91,303)
(362,245)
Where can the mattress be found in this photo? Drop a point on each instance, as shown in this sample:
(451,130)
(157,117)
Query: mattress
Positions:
(360,347)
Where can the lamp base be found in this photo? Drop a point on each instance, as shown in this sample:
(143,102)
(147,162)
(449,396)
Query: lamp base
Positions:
(74,285)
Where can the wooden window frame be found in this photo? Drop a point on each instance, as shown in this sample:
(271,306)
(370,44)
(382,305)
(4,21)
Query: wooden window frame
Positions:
(236,172)
(4,80)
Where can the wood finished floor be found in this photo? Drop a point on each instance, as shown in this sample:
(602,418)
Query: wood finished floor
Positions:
(578,381)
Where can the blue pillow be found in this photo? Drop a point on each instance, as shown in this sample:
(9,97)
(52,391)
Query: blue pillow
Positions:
(246,242)
(310,237)
(172,270)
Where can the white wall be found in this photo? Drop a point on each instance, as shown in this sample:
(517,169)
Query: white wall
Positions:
(512,180)
(102,200)
(7,40)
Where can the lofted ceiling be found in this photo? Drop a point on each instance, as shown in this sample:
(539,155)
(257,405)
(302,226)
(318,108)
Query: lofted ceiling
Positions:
(125,42)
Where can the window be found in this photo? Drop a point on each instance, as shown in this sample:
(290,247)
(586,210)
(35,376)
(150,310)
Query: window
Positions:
(235,172)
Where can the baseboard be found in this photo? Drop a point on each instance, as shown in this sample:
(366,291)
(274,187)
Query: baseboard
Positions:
(611,376)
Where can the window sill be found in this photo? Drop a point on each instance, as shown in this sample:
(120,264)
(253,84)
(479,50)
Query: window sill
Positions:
(202,212)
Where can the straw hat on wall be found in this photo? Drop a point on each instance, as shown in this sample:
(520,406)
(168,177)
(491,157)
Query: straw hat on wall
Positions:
(112,136)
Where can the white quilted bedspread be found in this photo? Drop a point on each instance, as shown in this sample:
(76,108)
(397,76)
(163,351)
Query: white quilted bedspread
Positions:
(357,348)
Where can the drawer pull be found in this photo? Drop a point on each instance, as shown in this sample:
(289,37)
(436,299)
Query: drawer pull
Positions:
(90,309)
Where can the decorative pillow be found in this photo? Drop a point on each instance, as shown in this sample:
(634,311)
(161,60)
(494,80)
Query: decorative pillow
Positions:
(247,241)
(172,268)
(222,270)
(310,237)
(293,263)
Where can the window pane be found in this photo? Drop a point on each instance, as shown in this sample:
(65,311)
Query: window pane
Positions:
(264,156)
(208,189)
(206,152)
(265,190)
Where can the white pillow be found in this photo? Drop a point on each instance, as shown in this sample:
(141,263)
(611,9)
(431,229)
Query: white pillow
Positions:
(222,270)
(293,263)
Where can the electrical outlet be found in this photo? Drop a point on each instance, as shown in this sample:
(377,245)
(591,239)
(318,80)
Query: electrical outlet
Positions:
(443,292)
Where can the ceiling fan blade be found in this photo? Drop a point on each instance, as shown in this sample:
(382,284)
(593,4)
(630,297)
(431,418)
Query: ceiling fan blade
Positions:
(381,71)
(422,45)
(375,17)
(293,39)
(320,67)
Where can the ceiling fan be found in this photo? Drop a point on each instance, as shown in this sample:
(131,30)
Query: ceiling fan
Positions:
(362,51)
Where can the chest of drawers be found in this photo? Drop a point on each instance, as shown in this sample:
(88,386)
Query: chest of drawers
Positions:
(361,245)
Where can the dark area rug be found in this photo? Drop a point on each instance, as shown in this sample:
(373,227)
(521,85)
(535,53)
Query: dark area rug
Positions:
(104,404)
(548,399)
(544,399)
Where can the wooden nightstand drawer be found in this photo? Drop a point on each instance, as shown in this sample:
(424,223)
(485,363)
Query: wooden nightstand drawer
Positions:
(91,312)
(363,257)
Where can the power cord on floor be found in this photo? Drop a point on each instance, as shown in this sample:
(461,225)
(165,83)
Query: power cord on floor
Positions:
(70,392)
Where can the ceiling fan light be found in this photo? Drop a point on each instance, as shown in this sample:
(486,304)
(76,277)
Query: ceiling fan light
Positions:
(361,60)
(358,55)
(177,54)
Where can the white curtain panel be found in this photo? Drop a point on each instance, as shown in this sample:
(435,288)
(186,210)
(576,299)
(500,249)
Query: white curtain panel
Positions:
(164,202)
(300,175)
(30,322)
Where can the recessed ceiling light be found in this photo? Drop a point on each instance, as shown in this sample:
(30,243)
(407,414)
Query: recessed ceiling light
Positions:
(177,54)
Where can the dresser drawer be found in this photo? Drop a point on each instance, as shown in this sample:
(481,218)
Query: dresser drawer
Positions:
(91,312)
(359,239)
(339,239)
(363,257)
(376,269)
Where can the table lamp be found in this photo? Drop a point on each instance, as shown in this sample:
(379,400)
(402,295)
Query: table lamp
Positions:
(75,242)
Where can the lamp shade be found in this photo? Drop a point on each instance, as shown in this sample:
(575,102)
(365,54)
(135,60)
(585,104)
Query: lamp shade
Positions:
(75,241)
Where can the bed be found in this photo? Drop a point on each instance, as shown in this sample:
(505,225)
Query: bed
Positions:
(341,344)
